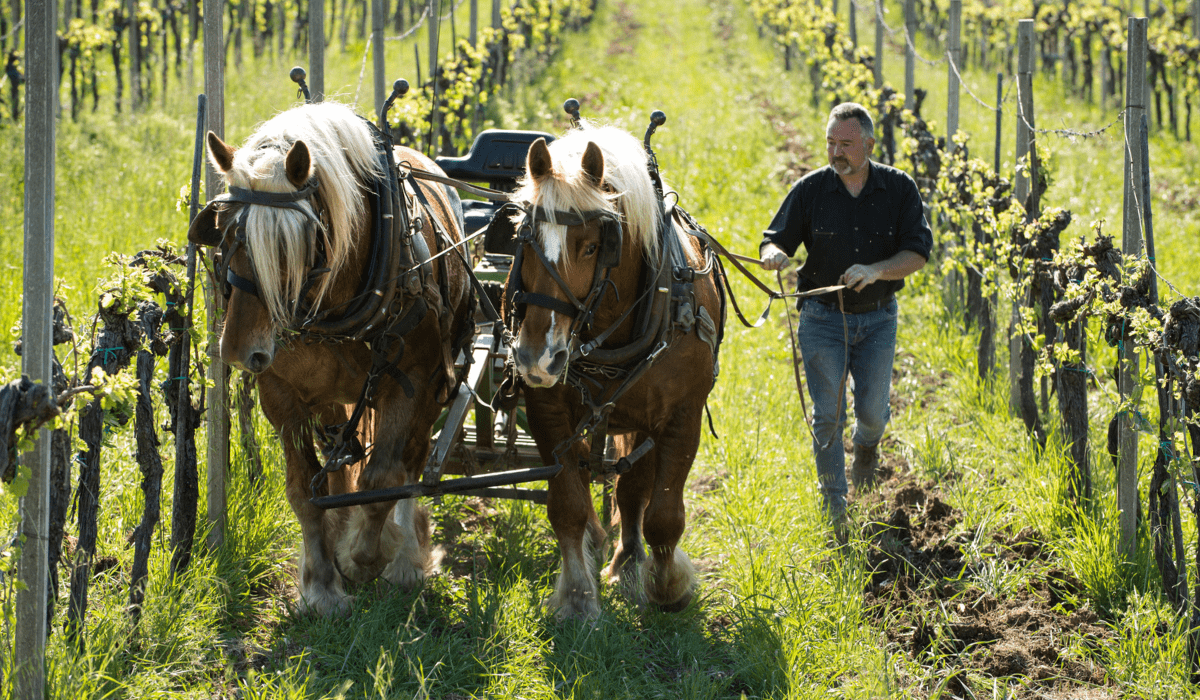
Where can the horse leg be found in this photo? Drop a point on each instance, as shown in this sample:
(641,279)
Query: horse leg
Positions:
(392,539)
(573,517)
(633,493)
(668,576)
(321,589)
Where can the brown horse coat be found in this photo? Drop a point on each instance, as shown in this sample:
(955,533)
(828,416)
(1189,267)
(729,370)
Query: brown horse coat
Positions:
(665,404)
(304,386)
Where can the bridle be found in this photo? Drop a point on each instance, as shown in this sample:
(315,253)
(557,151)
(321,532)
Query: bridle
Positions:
(581,312)
(233,236)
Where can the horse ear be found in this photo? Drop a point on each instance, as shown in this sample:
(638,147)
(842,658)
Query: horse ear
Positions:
(538,163)
(220,152)
(298,164)
(593,163)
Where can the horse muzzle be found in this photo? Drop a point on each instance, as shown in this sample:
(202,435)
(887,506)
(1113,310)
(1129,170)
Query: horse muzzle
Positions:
(540,368)
(253,360)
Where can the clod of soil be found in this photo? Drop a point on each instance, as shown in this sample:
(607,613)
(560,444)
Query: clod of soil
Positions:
(921,590)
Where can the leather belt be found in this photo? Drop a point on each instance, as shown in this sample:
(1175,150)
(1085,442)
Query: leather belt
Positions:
(863,308)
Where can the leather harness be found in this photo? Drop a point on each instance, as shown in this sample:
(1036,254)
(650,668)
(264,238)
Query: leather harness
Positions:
(665,311)
(397,293)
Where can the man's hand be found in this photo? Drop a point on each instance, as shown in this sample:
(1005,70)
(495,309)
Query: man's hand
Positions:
(772,257)
(857,277)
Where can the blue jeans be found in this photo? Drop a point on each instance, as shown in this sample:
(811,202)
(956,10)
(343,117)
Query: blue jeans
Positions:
(824,340)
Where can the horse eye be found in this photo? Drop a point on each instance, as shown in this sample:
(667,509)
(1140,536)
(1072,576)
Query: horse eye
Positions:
(591,250)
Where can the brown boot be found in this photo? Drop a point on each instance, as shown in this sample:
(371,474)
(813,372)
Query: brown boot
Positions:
(866,462)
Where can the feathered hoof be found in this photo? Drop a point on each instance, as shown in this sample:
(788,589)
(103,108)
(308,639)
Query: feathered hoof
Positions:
(574,605)
(627,578)
(326,602)
(670,587)
(409,570)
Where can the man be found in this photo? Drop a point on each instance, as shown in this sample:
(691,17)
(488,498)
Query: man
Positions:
(863,226)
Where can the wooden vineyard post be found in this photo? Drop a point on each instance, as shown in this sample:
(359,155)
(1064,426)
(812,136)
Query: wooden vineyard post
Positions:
(377,55)
(41,104)
(218,373)
(187,489)
(1131,245)
(316,50)
(434,25)
(910,52)
(878,44)
(135,56)
(853,24)
(954,58)
(474,23)
(999,119)
(1021,190)
(496,13)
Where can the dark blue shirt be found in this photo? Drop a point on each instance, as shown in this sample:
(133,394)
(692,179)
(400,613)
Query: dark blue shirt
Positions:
(838,230)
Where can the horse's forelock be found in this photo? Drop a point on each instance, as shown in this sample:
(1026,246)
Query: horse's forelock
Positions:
(569,188)
(343,157)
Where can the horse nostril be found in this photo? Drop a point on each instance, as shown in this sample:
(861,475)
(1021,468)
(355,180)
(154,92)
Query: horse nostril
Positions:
(521,357)
(258,362)
(557,364)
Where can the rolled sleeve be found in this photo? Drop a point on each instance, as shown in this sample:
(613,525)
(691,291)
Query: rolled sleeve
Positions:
(914,232)
(785,230)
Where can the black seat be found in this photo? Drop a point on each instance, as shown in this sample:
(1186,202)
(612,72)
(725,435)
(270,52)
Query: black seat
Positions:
(497,157)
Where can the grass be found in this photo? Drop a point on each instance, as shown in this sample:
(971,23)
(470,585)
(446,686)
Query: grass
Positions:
(778,616)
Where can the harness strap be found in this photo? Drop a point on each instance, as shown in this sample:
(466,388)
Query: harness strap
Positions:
(547,302)
(236,280)
(485,192)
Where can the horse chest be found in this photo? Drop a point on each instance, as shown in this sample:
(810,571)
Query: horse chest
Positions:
(321,373)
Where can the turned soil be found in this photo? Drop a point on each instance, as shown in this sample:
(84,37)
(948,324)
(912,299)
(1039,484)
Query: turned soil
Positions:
(976,605)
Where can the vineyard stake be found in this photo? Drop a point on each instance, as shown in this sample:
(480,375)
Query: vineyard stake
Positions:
(474,22)
(910,58)
(135,56)
(316,49)
(853,25)
(1021,191)
(377,56)
(1131,245)
(434,34)
(186,489)
(954,52)
(878,43)
(218,395)
(999,118)
(41,98)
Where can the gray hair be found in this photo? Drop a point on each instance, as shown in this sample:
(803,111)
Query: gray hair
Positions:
(853,110)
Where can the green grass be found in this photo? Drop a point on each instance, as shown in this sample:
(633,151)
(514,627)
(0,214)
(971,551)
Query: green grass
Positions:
(778,615)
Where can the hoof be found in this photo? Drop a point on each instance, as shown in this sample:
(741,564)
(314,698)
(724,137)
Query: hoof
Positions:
(410,569)
(679,605)
(627,578)
(327,603)
(577,606)
(669,585)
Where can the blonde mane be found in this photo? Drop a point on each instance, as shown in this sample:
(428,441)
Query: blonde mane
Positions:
(569,189)
(278,240)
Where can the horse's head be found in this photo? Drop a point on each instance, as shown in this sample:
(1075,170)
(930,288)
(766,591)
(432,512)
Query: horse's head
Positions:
(276,225)
(579,255)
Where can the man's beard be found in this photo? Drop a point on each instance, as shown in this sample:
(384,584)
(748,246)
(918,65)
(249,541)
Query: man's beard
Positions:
(841,167)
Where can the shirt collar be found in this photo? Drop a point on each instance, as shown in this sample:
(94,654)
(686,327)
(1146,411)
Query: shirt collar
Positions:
(874,181)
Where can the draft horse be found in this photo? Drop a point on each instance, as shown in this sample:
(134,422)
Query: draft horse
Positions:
(619,316)
(334,303)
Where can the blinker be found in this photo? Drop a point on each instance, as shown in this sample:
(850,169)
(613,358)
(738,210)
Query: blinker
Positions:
(203,229)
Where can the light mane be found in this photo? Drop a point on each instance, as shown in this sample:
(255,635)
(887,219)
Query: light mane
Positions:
(570,189)
(280,245)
